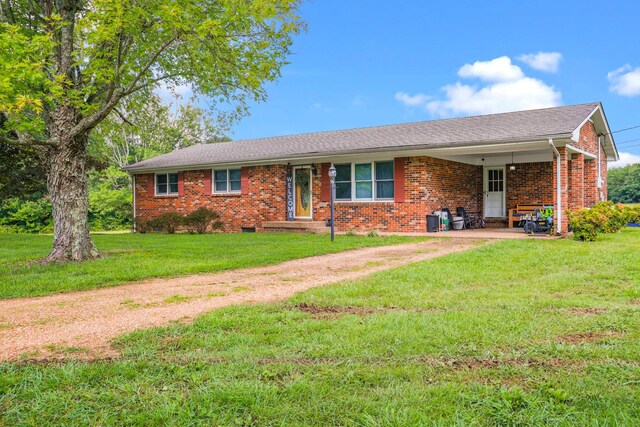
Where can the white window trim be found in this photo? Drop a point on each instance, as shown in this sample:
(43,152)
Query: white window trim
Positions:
(374,189)
(168,193)
(228,190)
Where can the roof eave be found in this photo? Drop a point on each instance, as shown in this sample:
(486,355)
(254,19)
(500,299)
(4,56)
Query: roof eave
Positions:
(132,169)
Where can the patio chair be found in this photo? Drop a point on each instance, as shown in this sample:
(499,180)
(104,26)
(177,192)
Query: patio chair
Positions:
(470,221)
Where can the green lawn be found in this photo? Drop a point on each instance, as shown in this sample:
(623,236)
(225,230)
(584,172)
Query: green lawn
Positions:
(137,256)
(522,332)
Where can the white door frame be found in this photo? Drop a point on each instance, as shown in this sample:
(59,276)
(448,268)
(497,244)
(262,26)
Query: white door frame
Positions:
(295,212)
(485,190)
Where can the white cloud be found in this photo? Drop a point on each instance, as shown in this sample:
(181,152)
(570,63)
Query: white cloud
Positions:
(505,88)
(497,70)
(412,100)
(625,159)
(625,81)
(543,61)
(523,94)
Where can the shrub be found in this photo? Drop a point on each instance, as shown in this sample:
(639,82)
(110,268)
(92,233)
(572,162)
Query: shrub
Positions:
(616,216)
(143,226)
(603,217)
(351,232)
(168,221)
(26,216)
(586,224)
(373,233)
(200,219)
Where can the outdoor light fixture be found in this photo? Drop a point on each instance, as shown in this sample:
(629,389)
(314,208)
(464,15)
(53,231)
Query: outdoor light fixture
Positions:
(512,166)
(332,177)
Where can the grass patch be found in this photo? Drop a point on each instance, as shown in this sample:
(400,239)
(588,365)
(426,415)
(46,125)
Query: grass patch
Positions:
(177,298)
(522,332)
(130,257)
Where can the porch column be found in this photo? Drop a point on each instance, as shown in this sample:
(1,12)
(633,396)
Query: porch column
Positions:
(564,188)
(576,182)
(590,182)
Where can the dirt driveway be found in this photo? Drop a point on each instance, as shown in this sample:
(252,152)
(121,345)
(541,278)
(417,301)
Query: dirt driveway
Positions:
(81,324)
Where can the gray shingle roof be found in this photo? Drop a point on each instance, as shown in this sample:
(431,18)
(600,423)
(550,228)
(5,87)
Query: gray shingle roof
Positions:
(492,128)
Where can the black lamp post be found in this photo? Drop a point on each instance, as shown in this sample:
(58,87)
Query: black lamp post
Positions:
(332,177)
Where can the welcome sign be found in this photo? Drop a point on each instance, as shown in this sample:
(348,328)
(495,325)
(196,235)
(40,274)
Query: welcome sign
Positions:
(290,211)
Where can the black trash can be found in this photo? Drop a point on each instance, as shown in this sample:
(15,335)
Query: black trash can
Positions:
(433,223)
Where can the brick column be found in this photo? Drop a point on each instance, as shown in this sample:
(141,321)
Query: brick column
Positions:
(576,182)
(564,187)
(590,183)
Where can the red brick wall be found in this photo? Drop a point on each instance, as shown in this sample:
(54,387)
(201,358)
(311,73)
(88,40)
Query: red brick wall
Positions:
(530,183)
(588,141)
(264,201)
(429,185)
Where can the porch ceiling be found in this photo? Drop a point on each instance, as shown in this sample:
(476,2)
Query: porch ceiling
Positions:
(497,155)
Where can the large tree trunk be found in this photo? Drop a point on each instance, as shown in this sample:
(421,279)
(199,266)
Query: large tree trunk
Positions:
(70,198)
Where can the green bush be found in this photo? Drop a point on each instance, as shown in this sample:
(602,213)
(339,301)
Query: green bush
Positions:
(603,217)
(168,221)
(586,224)
(26,216)
(199,221)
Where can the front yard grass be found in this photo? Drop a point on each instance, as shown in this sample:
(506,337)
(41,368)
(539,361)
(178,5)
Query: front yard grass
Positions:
(521,332)
(130,257)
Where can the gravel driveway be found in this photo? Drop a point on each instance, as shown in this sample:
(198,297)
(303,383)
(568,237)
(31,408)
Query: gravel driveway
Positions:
(80,325)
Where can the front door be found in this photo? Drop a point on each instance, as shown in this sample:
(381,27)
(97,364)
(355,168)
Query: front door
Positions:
(494,192)
(302,192)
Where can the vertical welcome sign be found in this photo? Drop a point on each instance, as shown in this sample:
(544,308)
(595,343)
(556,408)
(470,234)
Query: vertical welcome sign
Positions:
(290,212)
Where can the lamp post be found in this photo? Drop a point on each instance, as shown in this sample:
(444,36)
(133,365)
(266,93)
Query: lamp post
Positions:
(332,177)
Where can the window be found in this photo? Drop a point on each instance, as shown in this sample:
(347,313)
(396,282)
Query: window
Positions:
(343,182)
(364,181)
(227,181)
(384,181)
(166,184)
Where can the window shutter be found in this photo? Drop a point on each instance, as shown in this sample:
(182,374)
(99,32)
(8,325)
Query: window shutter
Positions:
(151,184)
(180,183)
(207,176)
(398,179)
(325,183)
(244,181)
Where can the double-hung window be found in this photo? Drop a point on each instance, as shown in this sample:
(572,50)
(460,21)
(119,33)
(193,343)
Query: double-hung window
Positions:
(364,181)
(227,181)
(166,184)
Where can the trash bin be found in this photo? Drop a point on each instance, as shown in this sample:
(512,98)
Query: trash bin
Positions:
(433,223)
(458,222)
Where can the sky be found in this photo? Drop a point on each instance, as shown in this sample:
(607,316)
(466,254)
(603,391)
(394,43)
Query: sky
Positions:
(370,62)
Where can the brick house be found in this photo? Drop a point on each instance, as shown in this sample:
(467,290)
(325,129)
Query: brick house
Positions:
(389,177)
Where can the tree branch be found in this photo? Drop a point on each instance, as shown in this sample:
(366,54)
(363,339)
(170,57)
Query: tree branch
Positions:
(122,116)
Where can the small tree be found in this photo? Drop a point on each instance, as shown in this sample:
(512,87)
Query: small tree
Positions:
(199,221)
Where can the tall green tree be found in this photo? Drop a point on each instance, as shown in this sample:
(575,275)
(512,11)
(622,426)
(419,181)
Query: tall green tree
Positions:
(65,65)
(143,130)
(624,184)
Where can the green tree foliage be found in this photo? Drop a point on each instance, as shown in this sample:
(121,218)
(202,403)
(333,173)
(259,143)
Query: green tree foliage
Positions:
(624,184)
(26,216)
(149,128)
(110,199)
(65,66)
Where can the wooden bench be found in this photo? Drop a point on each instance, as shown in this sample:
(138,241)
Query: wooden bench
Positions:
(515,215)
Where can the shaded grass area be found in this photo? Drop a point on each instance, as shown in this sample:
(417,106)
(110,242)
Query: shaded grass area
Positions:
(130,257)
(520,332)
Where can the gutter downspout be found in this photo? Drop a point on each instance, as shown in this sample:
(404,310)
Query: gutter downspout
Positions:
(558,187)
(133,222)
(600,181)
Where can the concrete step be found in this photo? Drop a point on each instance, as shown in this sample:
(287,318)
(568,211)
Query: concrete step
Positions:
(298,226)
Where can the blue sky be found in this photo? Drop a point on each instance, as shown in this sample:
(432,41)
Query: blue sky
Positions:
(369,62)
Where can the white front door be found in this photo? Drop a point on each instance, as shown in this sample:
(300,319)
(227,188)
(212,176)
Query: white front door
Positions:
(494,192)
